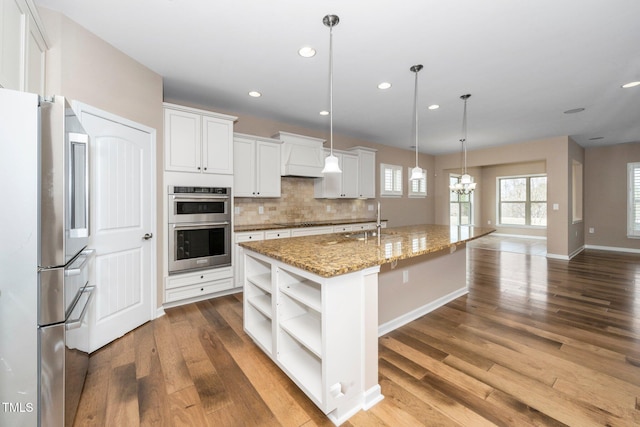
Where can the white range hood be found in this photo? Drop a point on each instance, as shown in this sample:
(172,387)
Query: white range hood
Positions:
(301,155)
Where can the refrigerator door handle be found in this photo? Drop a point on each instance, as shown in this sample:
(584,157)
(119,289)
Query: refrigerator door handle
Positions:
(80,309)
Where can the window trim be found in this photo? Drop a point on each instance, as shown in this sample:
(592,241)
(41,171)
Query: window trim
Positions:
(416,194)
(633,232)
(527,202)
(396,179)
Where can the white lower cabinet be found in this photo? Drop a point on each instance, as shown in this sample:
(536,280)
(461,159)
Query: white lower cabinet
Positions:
(194,285)
(311,327)
(311,231)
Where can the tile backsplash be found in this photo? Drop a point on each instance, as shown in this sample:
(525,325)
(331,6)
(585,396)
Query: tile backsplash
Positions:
(297,204)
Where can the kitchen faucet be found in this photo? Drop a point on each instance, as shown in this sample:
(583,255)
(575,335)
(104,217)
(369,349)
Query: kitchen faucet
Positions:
(378,224)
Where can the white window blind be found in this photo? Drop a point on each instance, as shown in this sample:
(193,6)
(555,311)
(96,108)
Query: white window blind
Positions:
(418,187)
(390,180)
(633,200)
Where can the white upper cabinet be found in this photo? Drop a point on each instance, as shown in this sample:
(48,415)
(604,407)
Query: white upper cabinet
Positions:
(22,47)
(339,185)
(197,140)
(256,166)
(366,171)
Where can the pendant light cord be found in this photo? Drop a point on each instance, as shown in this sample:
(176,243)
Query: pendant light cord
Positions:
(464,135)
(415,110)
(331,87)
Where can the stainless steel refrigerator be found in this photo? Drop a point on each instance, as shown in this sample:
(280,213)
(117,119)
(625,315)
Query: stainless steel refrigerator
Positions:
(44,262)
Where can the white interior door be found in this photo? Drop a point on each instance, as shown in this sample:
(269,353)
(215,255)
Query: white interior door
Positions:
(122,224)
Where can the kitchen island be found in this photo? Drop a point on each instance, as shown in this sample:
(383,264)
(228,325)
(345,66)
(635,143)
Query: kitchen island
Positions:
(312,303)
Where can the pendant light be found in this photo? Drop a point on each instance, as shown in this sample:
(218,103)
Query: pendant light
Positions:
(331,164)
(416,173)
(466,184)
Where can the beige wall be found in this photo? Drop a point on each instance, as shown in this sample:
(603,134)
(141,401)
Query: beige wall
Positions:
(84,68)
(605,197)
(553,151)
(398,211)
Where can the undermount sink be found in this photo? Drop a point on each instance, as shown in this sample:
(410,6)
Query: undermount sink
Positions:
(366,234)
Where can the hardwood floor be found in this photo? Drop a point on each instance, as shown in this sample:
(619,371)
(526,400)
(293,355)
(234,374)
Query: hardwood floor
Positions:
(535,342)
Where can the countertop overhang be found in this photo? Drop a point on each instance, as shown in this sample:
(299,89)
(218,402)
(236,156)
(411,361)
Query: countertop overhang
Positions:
(301,224)
(330,255)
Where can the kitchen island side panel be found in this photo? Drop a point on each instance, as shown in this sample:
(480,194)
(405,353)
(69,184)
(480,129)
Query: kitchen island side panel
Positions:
(418,285)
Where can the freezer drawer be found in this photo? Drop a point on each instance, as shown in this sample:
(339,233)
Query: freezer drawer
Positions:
(51,403)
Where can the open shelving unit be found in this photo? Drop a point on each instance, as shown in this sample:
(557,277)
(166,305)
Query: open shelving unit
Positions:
(258,303)
(312,327)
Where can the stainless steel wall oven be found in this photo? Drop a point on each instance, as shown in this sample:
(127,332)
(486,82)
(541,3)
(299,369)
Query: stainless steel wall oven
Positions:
(199,228)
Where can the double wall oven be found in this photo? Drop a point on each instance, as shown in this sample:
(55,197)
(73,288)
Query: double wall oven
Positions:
(199,228)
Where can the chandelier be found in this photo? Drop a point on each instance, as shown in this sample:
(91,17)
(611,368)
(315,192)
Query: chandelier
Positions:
(466,184)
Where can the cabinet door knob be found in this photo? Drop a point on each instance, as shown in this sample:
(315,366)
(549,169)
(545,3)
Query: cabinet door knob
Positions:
(147,236)
(198,167)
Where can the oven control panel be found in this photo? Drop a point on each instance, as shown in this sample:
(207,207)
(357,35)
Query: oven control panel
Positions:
(199,190)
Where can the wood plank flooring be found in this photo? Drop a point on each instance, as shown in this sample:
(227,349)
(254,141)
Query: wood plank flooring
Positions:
(536,342)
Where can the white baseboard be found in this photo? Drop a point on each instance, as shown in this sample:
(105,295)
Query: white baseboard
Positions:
(557,256)
(372,396)
(613,249)
(201,298)
(521,236)
(160,312)
(420,311)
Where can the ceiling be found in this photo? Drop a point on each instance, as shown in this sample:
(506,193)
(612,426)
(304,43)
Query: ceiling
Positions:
(523,62)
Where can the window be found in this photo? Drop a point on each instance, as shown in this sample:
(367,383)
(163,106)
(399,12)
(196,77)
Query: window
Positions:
(576,174)
(522,201)
(390,180)
(418,187)
(633,200)
(460,206)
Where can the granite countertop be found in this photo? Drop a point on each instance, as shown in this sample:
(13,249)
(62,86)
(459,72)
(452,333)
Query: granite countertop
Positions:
(301,224)
(329,255)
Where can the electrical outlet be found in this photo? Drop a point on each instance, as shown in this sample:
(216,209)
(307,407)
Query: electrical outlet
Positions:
(405,276)
(260,210)
(328,208)
(236,210)
(592,230)
(489,222)
(370,208)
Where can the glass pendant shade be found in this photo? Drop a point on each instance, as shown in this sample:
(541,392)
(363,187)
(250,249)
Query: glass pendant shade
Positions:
(416,173)
(331,165)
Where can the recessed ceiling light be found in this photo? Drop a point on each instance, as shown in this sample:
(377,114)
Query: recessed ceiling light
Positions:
(595,138)
(255,94)
(384,85)
(324,113)
(307,52)
(433,107)
(574,110)
(631,84)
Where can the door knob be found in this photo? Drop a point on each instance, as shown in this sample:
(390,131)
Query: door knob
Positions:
(147,236)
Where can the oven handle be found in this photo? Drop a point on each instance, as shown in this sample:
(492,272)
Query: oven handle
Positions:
(199,198)
(193,226)
(77,322)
